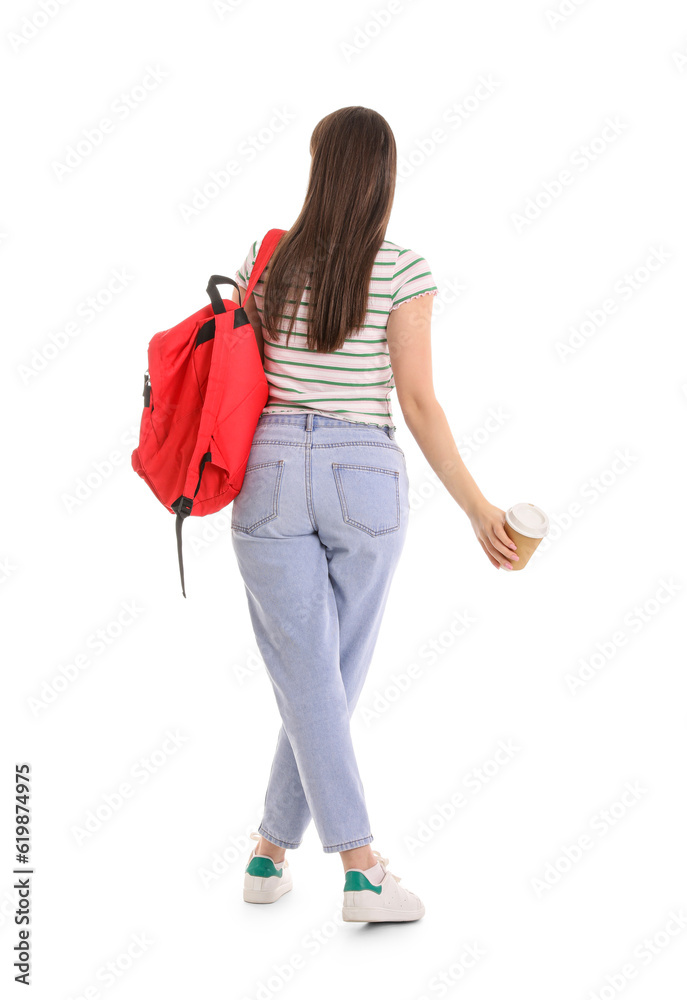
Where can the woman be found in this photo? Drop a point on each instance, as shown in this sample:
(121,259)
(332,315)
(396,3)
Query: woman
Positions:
(341,316)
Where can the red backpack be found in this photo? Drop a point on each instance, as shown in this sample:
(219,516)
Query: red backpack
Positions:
(203,393)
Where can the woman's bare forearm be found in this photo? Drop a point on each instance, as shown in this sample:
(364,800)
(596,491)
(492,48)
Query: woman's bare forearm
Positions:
(428,424)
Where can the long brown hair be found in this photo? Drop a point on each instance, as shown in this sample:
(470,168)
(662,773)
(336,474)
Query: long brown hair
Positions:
(332,245)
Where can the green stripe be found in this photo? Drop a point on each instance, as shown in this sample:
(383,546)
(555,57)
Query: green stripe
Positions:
(335,399)
(371,295)
(415,276)
(306,320)
(432,288)
(308,288)
(407,268)
(348,340)
(328,381)
(365,413)
(334,368)
(299,319)
(306,350)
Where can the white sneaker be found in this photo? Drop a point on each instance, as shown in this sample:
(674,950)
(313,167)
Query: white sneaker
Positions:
(265,881)
(363,900)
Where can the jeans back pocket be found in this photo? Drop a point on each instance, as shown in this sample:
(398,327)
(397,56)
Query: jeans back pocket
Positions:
(258,500)
(369,497)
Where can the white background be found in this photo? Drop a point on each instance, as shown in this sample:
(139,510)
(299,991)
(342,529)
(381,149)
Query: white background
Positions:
(82,534)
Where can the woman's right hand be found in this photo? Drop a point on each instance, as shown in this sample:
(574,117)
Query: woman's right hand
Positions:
(488,524)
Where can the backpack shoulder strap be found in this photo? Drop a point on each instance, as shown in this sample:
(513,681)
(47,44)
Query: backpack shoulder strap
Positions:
(266,250)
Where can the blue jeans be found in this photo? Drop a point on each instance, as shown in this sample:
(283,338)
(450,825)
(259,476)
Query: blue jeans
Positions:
(318,529)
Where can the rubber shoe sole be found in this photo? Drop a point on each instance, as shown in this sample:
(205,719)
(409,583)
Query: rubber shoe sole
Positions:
(253,893)
(357,914)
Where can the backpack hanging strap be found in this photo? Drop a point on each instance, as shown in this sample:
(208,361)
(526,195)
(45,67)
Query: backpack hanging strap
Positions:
(182,508)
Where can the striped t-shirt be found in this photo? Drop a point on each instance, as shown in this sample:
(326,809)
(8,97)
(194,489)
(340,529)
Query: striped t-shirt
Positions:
(355,382)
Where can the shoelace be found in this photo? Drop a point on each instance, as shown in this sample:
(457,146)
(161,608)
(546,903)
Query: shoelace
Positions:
(256,836)
(384,862)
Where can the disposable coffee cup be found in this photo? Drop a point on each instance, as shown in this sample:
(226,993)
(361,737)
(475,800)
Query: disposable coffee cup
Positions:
(525,525)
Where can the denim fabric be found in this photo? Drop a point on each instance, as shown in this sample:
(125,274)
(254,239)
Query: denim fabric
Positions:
(318,529)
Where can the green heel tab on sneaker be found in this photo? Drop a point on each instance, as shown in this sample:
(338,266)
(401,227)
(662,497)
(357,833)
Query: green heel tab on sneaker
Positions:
(263,868)
(355,881)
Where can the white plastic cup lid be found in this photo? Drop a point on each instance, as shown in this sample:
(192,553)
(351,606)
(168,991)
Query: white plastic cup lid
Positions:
(528,520)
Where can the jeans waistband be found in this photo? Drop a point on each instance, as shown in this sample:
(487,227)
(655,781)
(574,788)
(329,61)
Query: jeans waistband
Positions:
(309,421)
